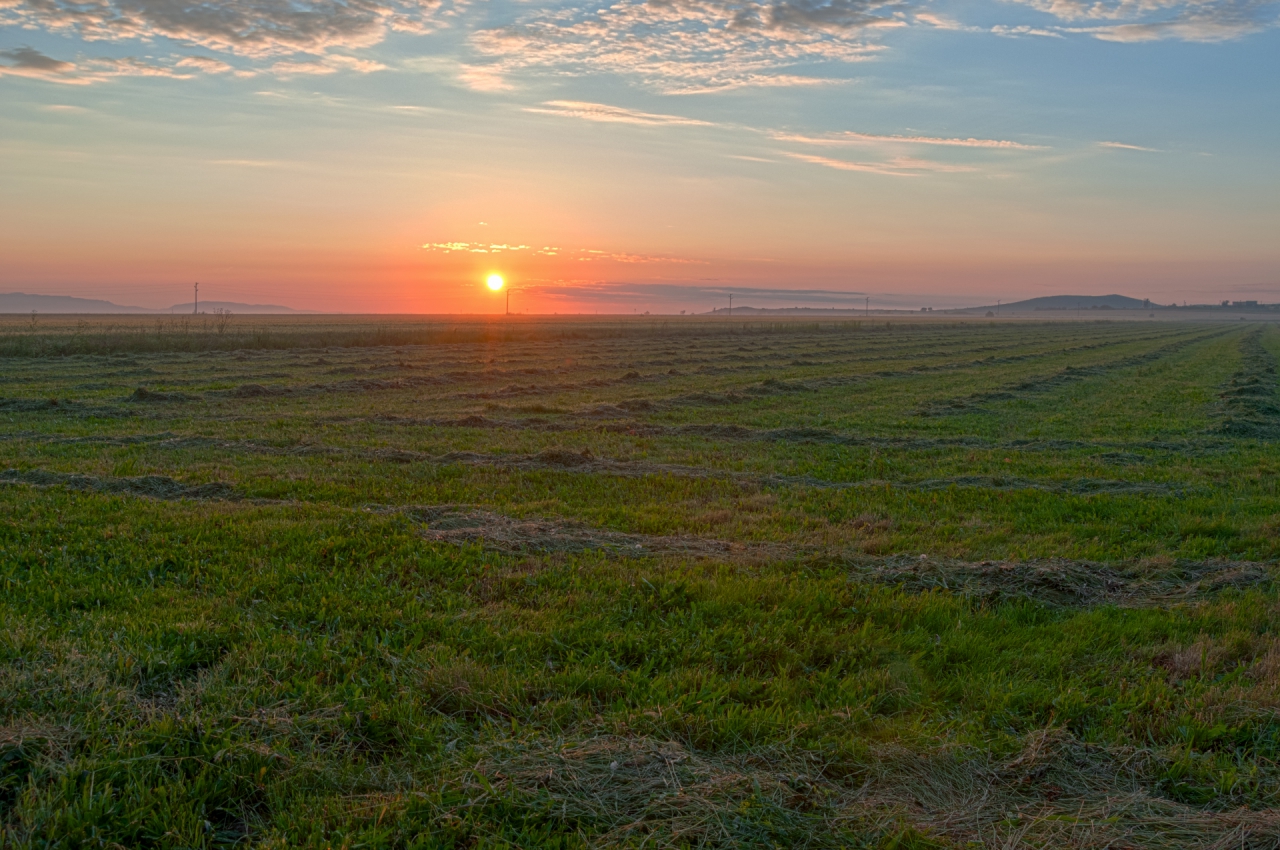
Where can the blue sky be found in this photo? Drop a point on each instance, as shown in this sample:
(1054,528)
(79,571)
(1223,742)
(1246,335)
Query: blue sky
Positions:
(374,155)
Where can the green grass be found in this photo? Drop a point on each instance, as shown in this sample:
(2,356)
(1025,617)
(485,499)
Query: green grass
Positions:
(955,585)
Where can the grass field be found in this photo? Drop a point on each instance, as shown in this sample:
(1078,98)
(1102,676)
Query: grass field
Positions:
(349,582)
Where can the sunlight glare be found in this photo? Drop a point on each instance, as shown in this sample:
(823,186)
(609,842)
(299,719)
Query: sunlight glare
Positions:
(495,282)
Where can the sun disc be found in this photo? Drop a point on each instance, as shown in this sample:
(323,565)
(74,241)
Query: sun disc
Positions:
(495,282)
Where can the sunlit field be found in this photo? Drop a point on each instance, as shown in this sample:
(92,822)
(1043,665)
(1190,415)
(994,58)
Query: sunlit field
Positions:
(361,582)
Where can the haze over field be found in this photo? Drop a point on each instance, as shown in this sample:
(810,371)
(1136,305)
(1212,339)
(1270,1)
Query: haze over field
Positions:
(638,156)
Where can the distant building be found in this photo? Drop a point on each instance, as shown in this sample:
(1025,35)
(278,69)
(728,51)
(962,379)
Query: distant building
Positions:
(1243,303)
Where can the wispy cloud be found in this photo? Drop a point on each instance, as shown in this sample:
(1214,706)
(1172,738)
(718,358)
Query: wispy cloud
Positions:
(1022,30)
(613,114)
(583,255)
(331,64)
(483,78)
(1125,147)
(897,167)
(207,64)
(942,22)
(1132,21)
(475,247)
(852,138)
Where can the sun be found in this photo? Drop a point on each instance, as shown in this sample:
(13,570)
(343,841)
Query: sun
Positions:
(495,282)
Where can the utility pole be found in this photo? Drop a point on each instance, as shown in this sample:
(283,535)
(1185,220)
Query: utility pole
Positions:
(731,304)
(195,307)
(868,306)
(508,301)
(997,308)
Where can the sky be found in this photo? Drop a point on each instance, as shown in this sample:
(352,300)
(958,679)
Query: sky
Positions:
(388,155)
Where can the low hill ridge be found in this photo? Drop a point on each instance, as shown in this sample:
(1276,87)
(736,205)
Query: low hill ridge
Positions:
(22,302)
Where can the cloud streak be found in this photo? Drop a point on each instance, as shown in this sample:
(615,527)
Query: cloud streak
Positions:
(852,138)
(613,114)
(582,255)
(1135,21)
(897,167)
(1124,147)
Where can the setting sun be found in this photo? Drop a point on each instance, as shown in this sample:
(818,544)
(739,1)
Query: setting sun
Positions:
(495,282)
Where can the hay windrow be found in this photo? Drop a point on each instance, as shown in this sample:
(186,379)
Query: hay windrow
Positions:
(150,486)
(1055,582)
(144,395)
(1249,405)
(1060,582)
(69,407)
(1031,387)
(1055,791)
(462,524)
(558,459)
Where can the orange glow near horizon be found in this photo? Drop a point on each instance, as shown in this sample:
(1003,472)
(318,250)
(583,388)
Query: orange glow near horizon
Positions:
(495,282)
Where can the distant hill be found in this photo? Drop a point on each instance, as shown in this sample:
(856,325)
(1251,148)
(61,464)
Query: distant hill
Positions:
(21,302)
(778,311)
(1071,302)
(234,307)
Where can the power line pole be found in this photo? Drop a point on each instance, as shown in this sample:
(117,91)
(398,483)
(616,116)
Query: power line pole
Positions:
(730,304)
(508,301)
(195,307)
(868,306)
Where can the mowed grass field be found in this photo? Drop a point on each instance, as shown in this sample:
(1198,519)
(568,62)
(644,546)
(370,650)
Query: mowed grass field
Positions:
(362,582)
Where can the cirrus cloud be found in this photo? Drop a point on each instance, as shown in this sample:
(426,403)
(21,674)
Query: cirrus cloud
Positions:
(899,166)
(1132,21)
(613,114)
(849,137)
